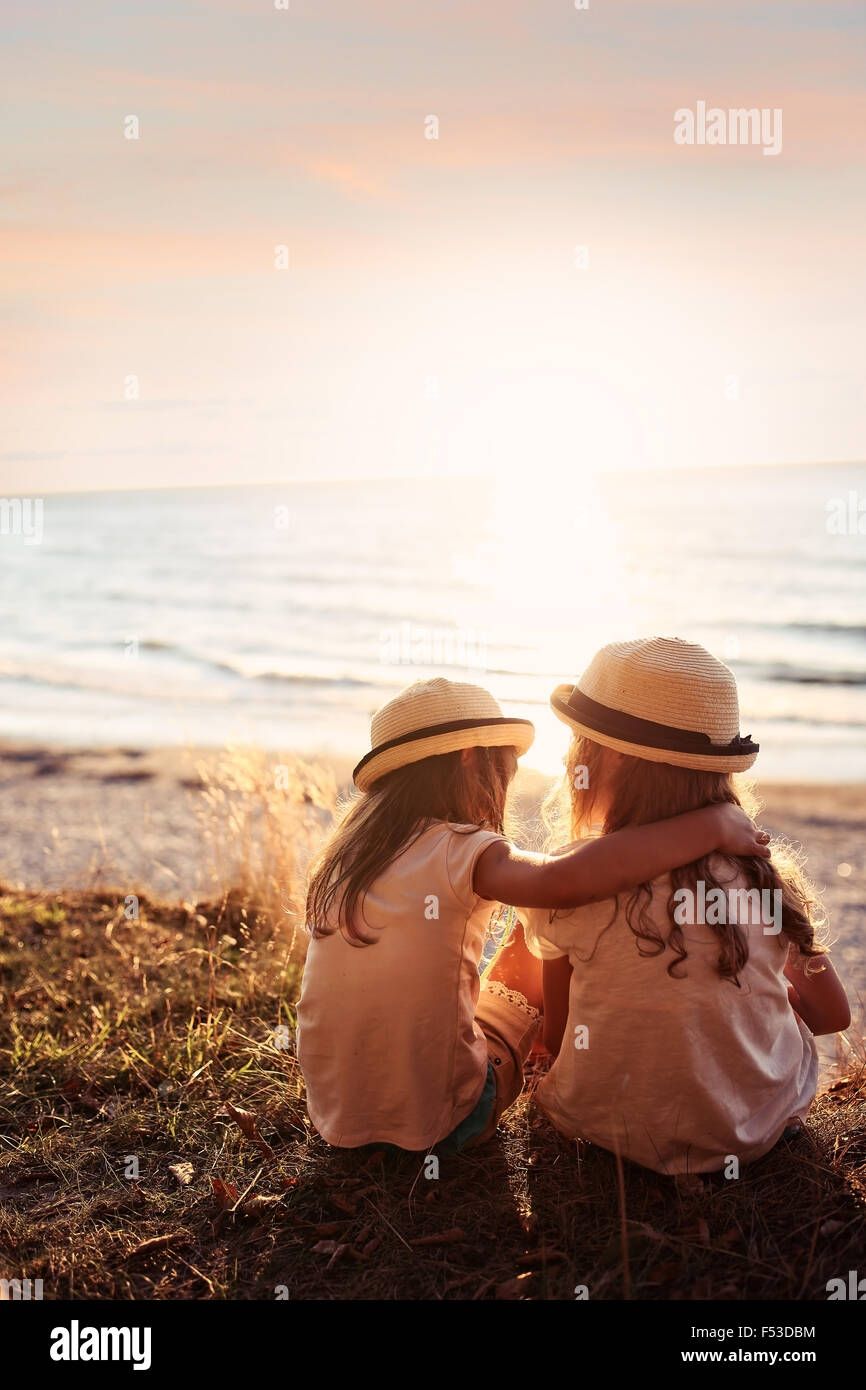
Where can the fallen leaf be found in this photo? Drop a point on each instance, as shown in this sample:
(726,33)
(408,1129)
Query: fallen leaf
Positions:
(244,1119)
(332,1248)
(160,1243)
(328,1228)
(452,1237)
(184,1172)
(248,1126)
(225,1192)
(343,1204)
(254,1206)
(326,1247)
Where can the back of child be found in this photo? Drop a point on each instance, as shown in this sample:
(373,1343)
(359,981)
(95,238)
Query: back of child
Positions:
(397,1041)
(387,1038)
(672,1065)
(678,1046)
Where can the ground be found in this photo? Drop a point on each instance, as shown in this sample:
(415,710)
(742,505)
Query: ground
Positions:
(151,1046)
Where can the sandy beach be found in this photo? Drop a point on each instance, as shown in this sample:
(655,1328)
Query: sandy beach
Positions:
(131,819)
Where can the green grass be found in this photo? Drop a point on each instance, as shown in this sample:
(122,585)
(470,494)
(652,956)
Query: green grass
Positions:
(127,1039)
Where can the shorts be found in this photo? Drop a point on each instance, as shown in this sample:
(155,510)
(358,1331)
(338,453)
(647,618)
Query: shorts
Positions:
(510,1026)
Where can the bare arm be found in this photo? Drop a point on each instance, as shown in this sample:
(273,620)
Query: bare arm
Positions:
(599,869)
(556,976)
(819,999)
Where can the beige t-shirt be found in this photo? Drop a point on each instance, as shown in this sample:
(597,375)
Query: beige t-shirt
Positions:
(677,1074)
(387,1039)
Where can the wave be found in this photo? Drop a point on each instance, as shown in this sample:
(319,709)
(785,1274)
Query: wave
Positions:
(236,667)
(833,629)
(786,674)
(779,672)
(117,682)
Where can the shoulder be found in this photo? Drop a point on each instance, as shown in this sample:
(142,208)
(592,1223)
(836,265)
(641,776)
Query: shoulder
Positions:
(551,934)
(462,847)
(539,933)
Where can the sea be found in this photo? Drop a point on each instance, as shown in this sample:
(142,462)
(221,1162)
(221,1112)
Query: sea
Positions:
(284,615)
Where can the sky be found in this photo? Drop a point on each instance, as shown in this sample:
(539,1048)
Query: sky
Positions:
(553,283)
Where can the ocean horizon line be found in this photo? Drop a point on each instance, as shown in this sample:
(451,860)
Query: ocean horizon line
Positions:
(391,478)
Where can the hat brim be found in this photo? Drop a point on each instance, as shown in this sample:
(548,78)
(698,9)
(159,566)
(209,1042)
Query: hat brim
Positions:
(733,762)
(519,733)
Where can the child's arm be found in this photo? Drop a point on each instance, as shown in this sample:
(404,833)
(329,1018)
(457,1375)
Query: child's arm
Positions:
(599,869)
(556,979)
(819,999)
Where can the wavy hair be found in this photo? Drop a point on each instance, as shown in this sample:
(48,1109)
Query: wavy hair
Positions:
(635,791)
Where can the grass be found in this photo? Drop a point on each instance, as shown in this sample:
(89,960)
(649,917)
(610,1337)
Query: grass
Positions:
(154,1141)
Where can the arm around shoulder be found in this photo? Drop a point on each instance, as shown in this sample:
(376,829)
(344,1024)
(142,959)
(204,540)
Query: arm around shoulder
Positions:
(600,868)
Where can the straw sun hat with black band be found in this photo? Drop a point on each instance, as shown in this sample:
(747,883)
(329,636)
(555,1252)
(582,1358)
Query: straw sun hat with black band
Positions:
(436,716)
(661,699)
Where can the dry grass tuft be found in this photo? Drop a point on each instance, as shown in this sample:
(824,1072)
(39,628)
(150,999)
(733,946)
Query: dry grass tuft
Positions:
(262,818)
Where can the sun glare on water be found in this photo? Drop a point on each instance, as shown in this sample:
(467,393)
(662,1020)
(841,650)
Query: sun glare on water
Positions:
(559,584)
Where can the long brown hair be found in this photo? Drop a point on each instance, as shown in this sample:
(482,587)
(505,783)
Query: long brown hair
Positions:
(379,824)
(634,792)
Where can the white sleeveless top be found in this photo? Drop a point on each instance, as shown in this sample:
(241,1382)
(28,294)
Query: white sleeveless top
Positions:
(676,1074)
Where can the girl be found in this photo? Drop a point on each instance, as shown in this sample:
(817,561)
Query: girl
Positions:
(395,1044)
(669,1007)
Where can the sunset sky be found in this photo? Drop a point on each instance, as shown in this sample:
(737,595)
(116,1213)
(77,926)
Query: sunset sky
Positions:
(432,318)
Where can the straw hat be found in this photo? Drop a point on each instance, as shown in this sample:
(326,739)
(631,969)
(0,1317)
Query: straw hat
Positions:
(661,699)
(436,716)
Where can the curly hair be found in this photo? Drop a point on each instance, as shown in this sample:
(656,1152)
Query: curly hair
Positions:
(623,790)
